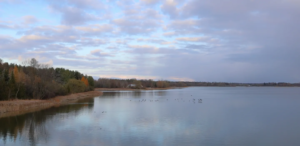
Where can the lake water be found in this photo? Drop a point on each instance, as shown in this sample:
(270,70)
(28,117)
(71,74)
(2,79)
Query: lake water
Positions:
(227,116)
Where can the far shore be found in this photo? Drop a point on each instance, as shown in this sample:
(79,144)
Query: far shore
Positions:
(18,107)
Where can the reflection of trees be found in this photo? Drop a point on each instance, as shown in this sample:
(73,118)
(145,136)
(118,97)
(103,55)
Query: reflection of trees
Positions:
(134,94)
(123,94)
(34,124)
(137,94)
(161,93)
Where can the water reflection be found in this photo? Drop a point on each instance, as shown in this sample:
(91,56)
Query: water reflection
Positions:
(136,94)
(123,93)
(33,126)
(191,116)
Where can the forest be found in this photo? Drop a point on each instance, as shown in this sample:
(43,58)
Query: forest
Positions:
(33,80)
(144,83)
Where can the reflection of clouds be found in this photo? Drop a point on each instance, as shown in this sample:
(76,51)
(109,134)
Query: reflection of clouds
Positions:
(137,117)
(226,117)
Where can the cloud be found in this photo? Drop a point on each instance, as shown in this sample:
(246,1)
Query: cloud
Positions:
(34,38)
(99,53)
(142,47)
(179,27)
(189,39)
(62,33)
(128,77)
(147,50)
(150,2)
(87,3)
(29,19)
(169,33)
(181,79)
(153,14)
(82,4)
(155,41)
(132,27)
(5,39)
(74,15)
(8,25)
(206,40)
(196,46)
(137,21)
(169,7)
(95,29)
(84,42)
(49,30)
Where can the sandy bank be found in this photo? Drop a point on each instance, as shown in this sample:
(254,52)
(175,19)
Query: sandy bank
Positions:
(17,107)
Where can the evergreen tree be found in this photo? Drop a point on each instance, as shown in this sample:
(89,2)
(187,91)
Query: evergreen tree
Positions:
(6,76)
(91,81)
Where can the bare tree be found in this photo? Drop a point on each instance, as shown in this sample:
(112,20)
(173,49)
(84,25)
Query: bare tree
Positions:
(31,62)
(0,61)
(34,63)
(45,66)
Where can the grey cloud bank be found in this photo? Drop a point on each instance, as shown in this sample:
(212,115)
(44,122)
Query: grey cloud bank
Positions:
(209,40)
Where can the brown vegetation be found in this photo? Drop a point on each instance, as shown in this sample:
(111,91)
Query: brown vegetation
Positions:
(17,107)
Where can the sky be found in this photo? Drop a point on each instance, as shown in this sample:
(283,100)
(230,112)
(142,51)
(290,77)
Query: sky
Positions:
(184,40)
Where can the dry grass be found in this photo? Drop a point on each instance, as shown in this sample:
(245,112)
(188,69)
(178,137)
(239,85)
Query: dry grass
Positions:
(16,107)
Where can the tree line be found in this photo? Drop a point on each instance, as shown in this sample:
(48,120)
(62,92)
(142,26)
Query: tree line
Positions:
(140,84)
(125,83)
(228,84)
(33,80)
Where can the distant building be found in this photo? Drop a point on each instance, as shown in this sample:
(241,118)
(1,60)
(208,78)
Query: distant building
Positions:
(133,86)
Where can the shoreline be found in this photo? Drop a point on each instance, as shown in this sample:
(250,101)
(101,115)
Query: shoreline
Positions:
(18,107)
(130,89)
(23,106)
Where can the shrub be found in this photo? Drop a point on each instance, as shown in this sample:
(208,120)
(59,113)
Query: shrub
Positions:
(76,86)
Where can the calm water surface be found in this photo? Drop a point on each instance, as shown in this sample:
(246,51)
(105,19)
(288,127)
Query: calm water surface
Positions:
(227,116)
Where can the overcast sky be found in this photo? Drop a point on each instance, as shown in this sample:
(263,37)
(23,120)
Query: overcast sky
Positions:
(192,40)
